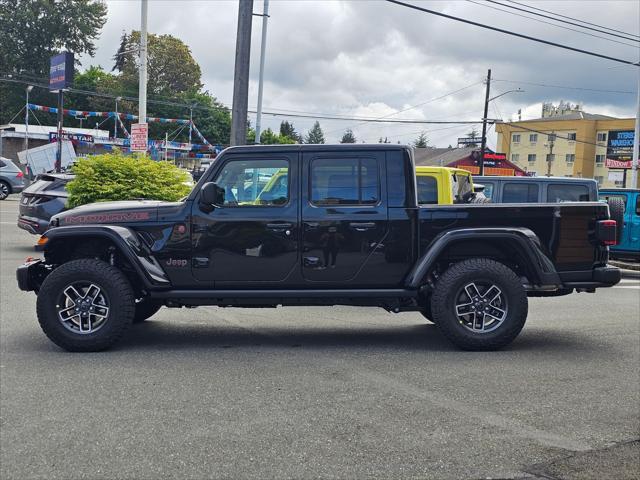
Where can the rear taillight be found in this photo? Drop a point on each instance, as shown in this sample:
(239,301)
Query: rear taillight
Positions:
(606,232)
(20,175)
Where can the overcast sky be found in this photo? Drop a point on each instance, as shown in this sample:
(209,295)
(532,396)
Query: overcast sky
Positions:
(373,58)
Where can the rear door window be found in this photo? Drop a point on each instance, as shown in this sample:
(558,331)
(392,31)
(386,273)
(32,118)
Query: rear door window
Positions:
(345,181)
(427,190)
(519,192)
(489,188)
(567,193)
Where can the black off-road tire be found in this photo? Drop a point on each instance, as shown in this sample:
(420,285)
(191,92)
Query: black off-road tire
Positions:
(145,309)
(616,212)
(115,285)
(443,304)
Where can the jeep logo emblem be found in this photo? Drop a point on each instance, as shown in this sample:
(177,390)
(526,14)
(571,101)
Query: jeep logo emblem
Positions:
(177,262)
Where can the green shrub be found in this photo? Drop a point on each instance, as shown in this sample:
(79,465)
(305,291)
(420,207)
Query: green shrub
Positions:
(114,176)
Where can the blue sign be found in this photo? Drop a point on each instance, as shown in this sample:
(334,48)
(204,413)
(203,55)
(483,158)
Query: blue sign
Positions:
(61,71)
(620,144)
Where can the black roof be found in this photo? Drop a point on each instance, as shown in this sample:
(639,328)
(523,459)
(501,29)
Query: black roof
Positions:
(316,147)
(537,179)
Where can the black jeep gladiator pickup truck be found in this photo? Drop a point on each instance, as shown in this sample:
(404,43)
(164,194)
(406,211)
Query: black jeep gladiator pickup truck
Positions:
(314,225)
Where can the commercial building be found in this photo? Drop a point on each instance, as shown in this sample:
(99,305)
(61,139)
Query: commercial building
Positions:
(569,142)
(467,158)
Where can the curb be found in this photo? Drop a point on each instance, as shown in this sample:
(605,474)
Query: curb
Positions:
(625,265)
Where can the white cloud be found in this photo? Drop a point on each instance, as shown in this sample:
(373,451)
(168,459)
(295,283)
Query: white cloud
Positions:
(372,58)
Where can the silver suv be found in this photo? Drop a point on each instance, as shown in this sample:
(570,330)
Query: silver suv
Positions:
(11,178)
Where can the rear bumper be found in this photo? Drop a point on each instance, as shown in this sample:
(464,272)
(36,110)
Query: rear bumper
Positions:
(33,225)
(597,278)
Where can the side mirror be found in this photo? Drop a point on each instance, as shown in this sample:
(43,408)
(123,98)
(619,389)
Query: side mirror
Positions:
(212,195)
(478,188)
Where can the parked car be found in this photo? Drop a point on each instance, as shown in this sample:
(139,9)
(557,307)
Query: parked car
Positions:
(45,197)
(538,189)
(347,230)
(11,178)
(446,186)
(629,245)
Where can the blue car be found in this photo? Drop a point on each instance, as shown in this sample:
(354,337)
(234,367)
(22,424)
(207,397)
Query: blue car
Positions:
(629,245)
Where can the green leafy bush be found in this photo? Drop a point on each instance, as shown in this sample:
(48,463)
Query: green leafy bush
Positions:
(114,176)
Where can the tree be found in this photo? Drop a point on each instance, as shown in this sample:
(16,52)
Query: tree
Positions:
(171,68)
(35,30)
(422,141)
(288,130)
(473,134)
(315,135)
(348,136)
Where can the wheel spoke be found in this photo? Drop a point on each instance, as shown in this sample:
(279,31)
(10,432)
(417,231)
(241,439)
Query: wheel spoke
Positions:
(72,294)
(492,294)
(472,291)
(92,292)
(478,321)
(464,309)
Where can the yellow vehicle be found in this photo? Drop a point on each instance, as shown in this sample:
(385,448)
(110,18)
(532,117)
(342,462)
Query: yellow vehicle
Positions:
(446,186)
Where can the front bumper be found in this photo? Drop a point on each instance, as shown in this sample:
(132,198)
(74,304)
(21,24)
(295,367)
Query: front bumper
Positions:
(30,275)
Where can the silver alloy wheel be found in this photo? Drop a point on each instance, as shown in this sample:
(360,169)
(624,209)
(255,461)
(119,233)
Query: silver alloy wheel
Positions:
(83,307)
(4,191)
(481,307)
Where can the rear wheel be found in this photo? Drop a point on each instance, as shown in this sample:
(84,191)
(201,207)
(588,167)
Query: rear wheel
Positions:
(5,189)
(479,304)
(85,305)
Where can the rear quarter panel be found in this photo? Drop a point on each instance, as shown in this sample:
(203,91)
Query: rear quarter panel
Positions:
(565,230)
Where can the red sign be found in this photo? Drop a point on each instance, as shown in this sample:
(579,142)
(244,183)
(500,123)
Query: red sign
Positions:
(139,137)
(495,156)
(611,163)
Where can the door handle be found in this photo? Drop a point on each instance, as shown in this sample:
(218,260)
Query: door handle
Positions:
(362,226)
(279,226)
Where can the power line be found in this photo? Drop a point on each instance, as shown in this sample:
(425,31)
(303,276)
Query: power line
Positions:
(564,86)
(508,32)
(549,23)
(577,20)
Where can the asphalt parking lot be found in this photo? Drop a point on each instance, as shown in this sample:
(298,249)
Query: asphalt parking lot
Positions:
(334,392)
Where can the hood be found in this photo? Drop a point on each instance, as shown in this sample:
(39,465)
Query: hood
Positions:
(111,213)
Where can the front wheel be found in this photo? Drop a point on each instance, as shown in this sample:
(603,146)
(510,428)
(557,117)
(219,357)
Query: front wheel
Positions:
(85,305)
(479,304)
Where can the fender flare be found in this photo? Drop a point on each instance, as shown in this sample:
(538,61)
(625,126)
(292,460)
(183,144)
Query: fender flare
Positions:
(525,241)
(125,239)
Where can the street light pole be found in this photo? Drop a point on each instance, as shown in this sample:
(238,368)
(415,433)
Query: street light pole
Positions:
(241,74)
(265,17)
(484,122)
(635,159)
(551,139)
(26,119)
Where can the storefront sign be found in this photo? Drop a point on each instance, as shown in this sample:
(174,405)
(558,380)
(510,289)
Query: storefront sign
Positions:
(61,71)
(469,141)
(73,137)
(139,137)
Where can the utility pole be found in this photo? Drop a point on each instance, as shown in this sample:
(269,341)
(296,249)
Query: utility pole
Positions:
(241,74)
(551,138)
(484,122)
(635,159)
(142,88)
(265,17)
(26,119)
(190,124)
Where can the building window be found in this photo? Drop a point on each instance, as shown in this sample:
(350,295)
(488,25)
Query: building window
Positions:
(599,179)
(600,160)
(516,138)
(602,137)
(515,157)
(618,183)
(531,158)
(571,137)
(533,137)
(570,158)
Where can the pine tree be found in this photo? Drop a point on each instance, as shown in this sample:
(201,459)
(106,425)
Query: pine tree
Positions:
(315,135)
(348,136)
(422,141)
(288,130)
